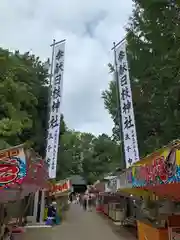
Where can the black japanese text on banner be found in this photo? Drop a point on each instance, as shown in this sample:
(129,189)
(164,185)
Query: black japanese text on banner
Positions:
(127,112)
(55,111)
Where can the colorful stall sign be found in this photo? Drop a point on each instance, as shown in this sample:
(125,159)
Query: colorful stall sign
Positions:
(12,167)
(126,179)
(129,176)
(61,187)
(163,169)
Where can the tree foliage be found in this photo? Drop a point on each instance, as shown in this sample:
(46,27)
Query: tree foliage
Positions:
(87,155)
(23,100)
(153,40)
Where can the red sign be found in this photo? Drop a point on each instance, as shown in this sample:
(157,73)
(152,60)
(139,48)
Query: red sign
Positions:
(61,187)
(8,173)
(8,166)
(150,172)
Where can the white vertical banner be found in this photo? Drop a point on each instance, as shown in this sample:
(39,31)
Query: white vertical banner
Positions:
(127,112)
(55,108)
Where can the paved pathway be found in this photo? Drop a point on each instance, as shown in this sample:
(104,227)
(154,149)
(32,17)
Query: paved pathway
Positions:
(79,225)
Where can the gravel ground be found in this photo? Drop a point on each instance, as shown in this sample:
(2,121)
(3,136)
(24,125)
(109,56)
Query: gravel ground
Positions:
(79,225)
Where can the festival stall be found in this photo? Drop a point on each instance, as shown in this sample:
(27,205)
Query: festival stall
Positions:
(125,190)
(105,197)
(59,192)
(109,200)
(22,174)
(129,197)
(158,174)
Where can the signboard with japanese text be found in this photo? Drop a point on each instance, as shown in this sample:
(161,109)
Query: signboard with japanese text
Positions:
(127,112)
(162,169)
(106,186)
(61,187)
(112,184)
(55,110)
(13,167)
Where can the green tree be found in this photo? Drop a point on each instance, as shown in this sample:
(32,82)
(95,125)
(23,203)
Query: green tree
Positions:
(110,103)
(68,155)
(23,100)
(86,155)
(153,50)
(108,153)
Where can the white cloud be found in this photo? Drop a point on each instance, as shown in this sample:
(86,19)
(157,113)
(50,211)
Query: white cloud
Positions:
(90,27)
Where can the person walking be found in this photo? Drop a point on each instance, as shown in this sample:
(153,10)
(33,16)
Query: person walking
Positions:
(77,198)
(80,199)
(85,202)
(90,201)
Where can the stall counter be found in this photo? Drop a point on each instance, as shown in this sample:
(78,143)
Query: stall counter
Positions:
(148,232)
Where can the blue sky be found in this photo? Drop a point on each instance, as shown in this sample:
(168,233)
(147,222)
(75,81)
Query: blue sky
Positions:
(90,27)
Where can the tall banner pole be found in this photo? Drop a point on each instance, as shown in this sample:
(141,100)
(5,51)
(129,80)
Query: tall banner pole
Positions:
(130,144)
(123,164)
(50,87)
(52,66)
(55,92)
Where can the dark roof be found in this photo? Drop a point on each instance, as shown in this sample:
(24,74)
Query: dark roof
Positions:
(77,180)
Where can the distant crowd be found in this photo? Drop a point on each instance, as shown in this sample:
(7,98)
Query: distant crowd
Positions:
(86,200)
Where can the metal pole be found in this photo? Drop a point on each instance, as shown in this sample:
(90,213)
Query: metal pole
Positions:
(52,64)
(116,45)
(55,43)
(118,105)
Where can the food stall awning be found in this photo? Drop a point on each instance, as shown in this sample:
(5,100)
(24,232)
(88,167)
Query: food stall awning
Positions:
(160,173)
